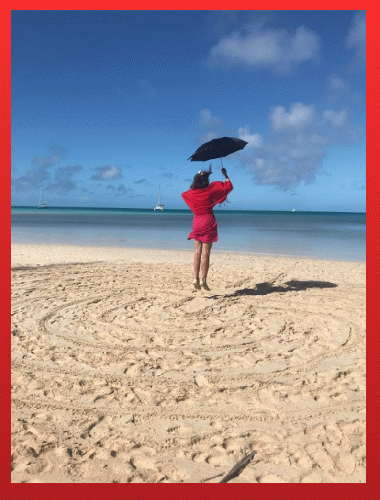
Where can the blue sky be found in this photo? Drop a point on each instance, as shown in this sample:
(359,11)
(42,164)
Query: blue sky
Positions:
(108,105)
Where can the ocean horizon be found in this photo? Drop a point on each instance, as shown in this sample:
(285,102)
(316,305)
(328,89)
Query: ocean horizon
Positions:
(217,208)
(320,235)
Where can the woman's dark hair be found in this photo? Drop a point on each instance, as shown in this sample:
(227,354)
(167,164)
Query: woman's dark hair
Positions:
(200,180)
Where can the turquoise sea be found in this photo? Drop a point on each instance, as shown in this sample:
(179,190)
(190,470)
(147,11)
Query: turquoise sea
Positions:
(320,235)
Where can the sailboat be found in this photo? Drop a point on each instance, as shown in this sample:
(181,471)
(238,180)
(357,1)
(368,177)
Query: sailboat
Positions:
(159,206)
(41,204)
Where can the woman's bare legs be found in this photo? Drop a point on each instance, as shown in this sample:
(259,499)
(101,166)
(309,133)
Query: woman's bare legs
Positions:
(197,263)
(205,263)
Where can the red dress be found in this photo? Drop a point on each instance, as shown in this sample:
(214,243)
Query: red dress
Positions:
(201,203)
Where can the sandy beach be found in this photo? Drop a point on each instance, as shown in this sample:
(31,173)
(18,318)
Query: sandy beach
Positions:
(122,372)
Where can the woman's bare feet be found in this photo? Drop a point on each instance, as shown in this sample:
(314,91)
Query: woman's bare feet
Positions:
(204,285)
(196,284)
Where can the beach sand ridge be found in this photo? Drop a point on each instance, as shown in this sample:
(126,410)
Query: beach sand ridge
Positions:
(122,372)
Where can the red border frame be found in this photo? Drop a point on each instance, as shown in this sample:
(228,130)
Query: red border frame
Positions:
(373,274)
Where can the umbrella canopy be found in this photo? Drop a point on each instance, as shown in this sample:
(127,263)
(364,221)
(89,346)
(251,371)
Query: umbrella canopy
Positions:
(218,148)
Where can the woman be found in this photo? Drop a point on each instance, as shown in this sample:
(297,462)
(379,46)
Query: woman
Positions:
(201,198)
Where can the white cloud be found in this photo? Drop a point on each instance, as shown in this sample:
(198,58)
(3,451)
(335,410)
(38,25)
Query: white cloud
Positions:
(298,117)
(212,124)
(339,84)
(45,161)
(121,190)
(250,50)
(38,176)
(206,119)
(297,145)
(106,173)
(63,179)
(277,50)
(254,140)
(340,93)
(144,182)
(260,163)
(206,137)
(335,118)
(356,38)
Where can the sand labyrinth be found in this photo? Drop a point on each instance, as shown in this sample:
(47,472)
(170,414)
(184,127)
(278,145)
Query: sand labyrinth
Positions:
(122,373)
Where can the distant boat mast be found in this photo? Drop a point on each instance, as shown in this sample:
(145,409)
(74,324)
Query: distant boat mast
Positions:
(158,205)
(40,203)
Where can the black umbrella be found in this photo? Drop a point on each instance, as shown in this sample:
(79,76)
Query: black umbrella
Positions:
(218,148)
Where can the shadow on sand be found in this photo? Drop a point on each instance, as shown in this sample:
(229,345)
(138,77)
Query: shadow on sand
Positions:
(267,288)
